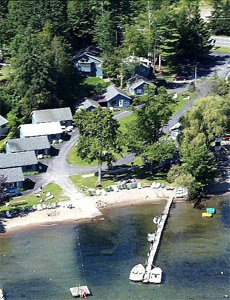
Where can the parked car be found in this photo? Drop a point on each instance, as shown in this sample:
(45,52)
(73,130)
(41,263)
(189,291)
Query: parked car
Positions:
(160,82)
(180,78)
(228,64)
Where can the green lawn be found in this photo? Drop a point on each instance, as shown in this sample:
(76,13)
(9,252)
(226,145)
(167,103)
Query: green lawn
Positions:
(221,49)
(6,73)
(83,184)
(2,144)
(29,201)
(95,81)
(142,175)
(75,159)
(181,102)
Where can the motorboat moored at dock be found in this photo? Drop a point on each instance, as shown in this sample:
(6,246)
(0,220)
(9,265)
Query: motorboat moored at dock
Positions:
(155,275)
(137,273)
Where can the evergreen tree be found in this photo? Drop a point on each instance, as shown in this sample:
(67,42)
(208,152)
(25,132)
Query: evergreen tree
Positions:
(219,21)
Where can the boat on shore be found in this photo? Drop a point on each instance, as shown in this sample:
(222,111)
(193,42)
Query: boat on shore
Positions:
(80,291)
(206,215)
(155,275)
(137,273)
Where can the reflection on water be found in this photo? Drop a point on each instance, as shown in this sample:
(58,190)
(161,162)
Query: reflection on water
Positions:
(44,263)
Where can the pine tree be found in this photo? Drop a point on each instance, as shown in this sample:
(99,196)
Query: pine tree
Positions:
(219,21)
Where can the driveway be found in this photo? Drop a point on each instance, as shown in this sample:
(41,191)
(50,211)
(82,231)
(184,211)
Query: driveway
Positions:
(59,169)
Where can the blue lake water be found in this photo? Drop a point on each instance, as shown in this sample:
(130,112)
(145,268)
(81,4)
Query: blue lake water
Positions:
(43,263)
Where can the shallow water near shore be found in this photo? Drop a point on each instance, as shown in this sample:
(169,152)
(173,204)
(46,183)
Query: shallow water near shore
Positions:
(43,263)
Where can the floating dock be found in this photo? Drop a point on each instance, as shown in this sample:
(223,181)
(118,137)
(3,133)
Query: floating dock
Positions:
(155,243)
(80,291)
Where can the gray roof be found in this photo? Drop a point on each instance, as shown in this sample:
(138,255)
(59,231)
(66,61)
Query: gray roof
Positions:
(112,92)
(28,144)
(138,83)
(19,159)
(88,103)
(3,121)
(12,174)
(52,115)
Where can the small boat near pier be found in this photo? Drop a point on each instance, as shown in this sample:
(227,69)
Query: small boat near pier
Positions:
(137,273)
(2,296)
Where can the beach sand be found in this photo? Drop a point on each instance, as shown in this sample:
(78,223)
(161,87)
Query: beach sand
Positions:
(86,208)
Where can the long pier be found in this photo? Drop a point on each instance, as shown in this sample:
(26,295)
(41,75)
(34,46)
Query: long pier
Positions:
(155,243)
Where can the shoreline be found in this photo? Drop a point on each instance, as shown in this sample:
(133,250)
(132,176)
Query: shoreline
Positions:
(82,212)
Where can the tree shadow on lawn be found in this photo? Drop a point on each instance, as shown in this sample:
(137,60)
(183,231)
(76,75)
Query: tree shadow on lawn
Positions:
(139,173)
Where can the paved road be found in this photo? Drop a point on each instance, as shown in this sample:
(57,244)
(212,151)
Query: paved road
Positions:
(223,41)
(58,168)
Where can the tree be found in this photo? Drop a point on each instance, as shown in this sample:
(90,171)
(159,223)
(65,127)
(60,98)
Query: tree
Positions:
(153,112)
(219,21)
(99,137)
(200,163)
(104,33)
(160,151)
(2,186)
(194,41)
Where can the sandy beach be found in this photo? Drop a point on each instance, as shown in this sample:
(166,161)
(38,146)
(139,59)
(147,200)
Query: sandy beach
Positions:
(86,208)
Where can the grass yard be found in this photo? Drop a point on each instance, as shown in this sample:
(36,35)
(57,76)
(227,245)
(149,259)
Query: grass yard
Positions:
(221,49)
(2,144)
(83,184)
(75,159)
(29,201)
(181,101)
(95,81)
(142,175)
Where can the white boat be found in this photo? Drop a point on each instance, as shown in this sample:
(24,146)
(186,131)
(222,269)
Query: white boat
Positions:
(155,275)
(157,219)
(2,297)
(137,273)
(151,237)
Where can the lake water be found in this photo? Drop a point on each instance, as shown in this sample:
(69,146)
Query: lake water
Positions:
(45,262)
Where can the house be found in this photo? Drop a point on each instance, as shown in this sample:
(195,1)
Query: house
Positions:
(26,160)
(142,66)
(89,62)
(52,130)
(38,144)
(14,177)
(63,115)
(115,98)
(88,105)
(138,86)
(3,126)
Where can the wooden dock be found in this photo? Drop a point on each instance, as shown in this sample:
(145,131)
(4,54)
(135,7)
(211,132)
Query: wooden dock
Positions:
(155,244)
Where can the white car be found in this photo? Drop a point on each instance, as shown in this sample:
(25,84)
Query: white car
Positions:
(228,64)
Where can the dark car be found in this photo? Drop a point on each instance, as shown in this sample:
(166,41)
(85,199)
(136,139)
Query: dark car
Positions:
(180,78)
(13,192)
(160,82)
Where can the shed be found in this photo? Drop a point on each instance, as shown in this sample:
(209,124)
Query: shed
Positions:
(88,105)
(138,87)
(115,98)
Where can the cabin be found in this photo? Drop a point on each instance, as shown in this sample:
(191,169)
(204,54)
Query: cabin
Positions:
(138,87)
(62,115)
(14,177)
(88,105)
(52,130)
(26,160)
(115,98)
(38,144)
(3,126)
(89,62)
(141,66)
